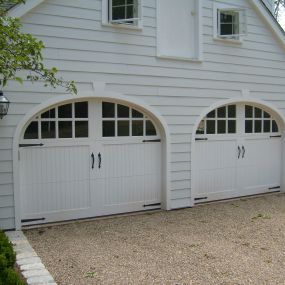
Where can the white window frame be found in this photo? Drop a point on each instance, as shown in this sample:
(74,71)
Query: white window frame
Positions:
(107,15)
(236,38)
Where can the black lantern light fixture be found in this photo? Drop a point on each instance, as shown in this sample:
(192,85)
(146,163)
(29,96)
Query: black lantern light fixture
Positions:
(4,105)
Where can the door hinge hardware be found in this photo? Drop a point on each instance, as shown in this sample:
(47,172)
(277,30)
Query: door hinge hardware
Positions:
(272,188)
(278,136)
(201,198)
(32,220)
(201,139)
(152,205)
(158,140)
(30,144)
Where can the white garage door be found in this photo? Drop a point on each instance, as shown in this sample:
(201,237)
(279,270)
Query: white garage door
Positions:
(237,153)
(86,159)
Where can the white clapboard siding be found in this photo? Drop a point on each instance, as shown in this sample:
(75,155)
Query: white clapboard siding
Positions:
(84,51)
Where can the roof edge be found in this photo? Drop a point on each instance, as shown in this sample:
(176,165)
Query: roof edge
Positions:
(268,17)
(19,11)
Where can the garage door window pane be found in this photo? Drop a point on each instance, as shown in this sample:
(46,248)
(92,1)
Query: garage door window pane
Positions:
(81,129)
(222,112)
(48,130)
(65,129)
(50,114)
(150,129)
(257,126)
(221,127)
(211,127)
(257,113)
(266,115)
(137,128)
(108,110)
(108,128)
(136,114)
(231,111)
(65,111)
(274,127)
(248,111)
(32,131)
(212,114)
(266,126)
(231,126)
(123,111)
(201,128)
(123,128)
(248,126)
(81,110)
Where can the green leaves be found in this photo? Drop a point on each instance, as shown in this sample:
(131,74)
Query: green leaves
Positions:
(23,52)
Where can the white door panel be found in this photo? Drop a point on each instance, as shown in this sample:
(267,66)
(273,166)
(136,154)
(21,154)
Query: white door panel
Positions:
(130,176)
(55,179)
(215,175)
(259,168)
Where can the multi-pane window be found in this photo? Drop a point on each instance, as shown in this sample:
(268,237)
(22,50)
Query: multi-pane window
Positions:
(219,121)
(122,121)
(259,121)
(123,11)
(228,23)
(65,121)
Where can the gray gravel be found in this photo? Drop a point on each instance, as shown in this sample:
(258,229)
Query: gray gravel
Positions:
(236,242)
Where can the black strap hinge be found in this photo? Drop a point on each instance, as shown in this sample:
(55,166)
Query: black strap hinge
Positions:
(152,205)
(30,144)
(200,198)
(278,136)
(32,220)
(272,188)
(158,140)
(201,139)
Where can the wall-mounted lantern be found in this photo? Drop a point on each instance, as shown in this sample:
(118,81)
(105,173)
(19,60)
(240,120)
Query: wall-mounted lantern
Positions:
(4,105)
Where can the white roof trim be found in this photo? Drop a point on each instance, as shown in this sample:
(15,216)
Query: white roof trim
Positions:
(20,10)
(259,6)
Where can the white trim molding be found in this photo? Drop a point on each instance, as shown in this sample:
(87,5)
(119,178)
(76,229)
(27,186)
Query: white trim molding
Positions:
(101,93)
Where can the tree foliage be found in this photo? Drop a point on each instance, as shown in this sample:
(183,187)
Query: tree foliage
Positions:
(279,6)
(23,52)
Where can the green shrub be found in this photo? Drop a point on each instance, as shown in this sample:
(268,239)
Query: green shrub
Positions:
(8,276)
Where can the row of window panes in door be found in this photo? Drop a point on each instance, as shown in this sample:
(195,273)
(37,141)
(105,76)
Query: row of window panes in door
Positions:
(71,121)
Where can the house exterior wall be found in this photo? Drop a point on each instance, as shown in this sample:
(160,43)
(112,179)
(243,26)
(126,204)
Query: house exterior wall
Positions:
(125,59)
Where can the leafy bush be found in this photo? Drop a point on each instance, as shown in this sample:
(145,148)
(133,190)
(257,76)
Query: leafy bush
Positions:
(8,276)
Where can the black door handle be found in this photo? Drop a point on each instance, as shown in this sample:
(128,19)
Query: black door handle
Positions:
(99,160)
(243,151)
(239,150)
(93,160)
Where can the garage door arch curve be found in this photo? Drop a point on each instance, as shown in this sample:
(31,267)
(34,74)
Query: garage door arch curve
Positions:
(275,115)
(102,95)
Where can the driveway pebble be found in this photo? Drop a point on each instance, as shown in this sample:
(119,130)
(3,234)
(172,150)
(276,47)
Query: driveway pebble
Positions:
(234,242)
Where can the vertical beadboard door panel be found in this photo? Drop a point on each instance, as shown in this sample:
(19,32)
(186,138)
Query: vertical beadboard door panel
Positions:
(55,182)
(130,177)
(215,172)
(259,168)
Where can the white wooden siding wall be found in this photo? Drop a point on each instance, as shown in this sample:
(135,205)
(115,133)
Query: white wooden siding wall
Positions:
(125,59)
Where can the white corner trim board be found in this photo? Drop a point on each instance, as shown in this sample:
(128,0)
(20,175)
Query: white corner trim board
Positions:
(20,10)
(99,93)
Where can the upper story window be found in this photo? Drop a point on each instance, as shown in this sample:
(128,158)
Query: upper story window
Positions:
(122,12)
(229,22)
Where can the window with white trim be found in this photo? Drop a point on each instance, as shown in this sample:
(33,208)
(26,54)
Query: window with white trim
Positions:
(122,12)
(229,22)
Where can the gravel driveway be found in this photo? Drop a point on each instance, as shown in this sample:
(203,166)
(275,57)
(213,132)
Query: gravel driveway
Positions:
(236,242)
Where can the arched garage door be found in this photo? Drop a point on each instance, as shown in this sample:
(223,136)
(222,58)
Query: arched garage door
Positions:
(237,153)
(86,159)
